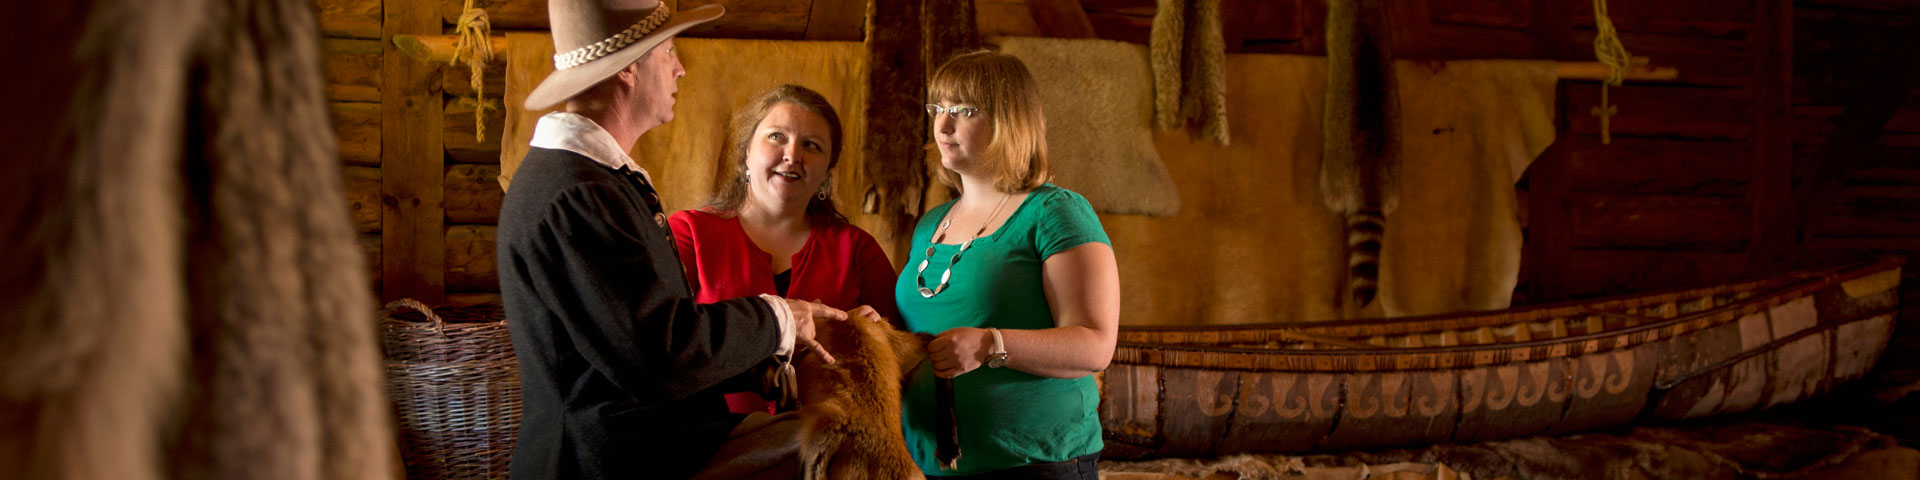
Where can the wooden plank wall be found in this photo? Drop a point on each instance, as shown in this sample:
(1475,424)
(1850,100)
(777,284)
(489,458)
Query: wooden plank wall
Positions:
(352,63)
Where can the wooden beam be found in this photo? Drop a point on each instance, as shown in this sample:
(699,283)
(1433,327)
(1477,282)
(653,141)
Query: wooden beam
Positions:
(1061,19)
(1662,222)
(473,194)
(356,125)
(437,48)
(837,20)
(363,198)
(413,237)
(352,69)
(460,144)
(1639,71)
(457,80)
(349,18)
(470,259)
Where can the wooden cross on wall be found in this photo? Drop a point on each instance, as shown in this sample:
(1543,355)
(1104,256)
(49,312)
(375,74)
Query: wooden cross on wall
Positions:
(1604,111)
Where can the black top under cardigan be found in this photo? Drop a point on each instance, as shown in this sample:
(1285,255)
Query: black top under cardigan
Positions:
(618,364)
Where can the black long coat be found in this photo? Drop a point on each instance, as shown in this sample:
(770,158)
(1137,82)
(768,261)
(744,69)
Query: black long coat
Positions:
(618,364)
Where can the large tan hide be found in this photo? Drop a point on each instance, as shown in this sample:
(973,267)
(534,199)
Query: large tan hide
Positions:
(1253,243)
(182,300)
(1098,138)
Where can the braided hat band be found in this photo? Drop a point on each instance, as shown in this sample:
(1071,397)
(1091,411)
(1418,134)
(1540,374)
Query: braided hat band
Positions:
(582,55)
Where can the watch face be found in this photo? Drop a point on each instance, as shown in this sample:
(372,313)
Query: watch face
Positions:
(996,360)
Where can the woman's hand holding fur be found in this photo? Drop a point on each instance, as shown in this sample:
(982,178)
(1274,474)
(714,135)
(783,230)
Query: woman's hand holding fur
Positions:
(958,351)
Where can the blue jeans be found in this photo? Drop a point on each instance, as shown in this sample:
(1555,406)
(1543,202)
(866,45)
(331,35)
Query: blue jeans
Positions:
(1085,467)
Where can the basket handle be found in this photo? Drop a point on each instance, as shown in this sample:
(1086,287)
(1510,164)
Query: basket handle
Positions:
(439,324)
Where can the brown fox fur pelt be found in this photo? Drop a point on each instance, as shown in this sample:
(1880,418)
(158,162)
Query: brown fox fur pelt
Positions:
(850,409)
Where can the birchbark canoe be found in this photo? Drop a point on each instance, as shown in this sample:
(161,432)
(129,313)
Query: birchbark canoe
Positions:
(1549,369)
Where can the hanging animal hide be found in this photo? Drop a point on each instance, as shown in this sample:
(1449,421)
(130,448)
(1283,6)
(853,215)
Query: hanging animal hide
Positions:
(1189,68)
(188,309)
(1099,106)
(1361,158)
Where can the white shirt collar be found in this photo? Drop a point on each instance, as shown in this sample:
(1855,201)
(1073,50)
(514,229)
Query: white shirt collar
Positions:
(578,134)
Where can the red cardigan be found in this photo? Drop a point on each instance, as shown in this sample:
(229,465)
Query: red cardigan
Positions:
(840,265)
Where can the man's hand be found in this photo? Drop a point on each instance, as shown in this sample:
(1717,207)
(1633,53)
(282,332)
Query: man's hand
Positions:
(804,313)
(958,351)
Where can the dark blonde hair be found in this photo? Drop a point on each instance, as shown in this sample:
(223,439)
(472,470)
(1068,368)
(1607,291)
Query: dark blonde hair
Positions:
(732,191)
(1002,88)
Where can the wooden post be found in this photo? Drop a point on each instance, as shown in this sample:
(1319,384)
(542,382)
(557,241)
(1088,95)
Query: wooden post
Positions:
(413,236)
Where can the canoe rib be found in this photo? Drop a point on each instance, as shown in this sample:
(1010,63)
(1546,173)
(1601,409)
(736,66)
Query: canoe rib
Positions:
(1555,369)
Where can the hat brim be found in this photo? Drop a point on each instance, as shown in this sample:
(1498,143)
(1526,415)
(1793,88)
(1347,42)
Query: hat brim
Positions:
(563,84)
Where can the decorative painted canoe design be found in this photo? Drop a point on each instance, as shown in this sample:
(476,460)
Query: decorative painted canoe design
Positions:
(1550,369)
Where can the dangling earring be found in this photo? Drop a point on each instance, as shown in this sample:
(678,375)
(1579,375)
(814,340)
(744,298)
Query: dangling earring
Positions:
(826,186)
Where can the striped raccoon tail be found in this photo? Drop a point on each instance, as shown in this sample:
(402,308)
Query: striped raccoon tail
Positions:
(1365,231)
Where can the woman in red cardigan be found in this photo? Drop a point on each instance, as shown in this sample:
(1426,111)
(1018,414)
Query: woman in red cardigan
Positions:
(772,228)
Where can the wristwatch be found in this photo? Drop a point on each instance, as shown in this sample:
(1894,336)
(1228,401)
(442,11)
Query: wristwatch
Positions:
(997,354)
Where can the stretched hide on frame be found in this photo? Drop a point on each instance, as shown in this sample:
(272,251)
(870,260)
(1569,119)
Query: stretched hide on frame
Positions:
(683,156)
(1098,99)
(1253,242)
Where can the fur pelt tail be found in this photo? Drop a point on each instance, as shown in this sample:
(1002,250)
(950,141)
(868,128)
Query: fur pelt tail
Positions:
(1362,143)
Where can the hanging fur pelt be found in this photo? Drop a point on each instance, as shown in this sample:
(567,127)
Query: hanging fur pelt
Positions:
(191,305)
(1188,56)
(1362,143)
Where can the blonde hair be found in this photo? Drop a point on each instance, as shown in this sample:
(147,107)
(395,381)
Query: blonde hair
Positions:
(1002,88)
(732,191)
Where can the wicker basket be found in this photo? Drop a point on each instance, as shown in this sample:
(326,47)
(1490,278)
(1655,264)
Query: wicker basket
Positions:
(456,387)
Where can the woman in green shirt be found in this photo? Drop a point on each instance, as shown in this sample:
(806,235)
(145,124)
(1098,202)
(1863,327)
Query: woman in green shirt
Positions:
(1018,281)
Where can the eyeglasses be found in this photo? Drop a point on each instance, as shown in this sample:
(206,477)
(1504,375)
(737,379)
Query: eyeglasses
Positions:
(955,111)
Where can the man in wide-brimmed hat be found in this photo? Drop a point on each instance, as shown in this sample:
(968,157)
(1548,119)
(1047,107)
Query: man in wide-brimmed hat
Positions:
(618,364)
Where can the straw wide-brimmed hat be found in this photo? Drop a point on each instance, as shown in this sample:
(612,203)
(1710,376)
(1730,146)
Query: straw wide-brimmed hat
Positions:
(594,39)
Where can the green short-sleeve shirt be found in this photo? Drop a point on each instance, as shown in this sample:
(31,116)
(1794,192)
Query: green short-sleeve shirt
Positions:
(1007,418)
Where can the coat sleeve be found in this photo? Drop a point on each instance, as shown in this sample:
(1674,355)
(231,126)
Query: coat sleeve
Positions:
(630,322)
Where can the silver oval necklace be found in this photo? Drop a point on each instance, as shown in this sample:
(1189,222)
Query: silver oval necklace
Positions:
(919,276)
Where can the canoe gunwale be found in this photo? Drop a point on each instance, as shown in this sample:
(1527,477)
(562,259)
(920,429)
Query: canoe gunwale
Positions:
(1210,357)
(1805,279)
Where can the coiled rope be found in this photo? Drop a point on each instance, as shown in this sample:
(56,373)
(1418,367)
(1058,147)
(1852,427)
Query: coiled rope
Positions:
(476,48)
(1608,49)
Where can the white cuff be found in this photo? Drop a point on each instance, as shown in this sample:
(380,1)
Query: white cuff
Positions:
(780,311)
